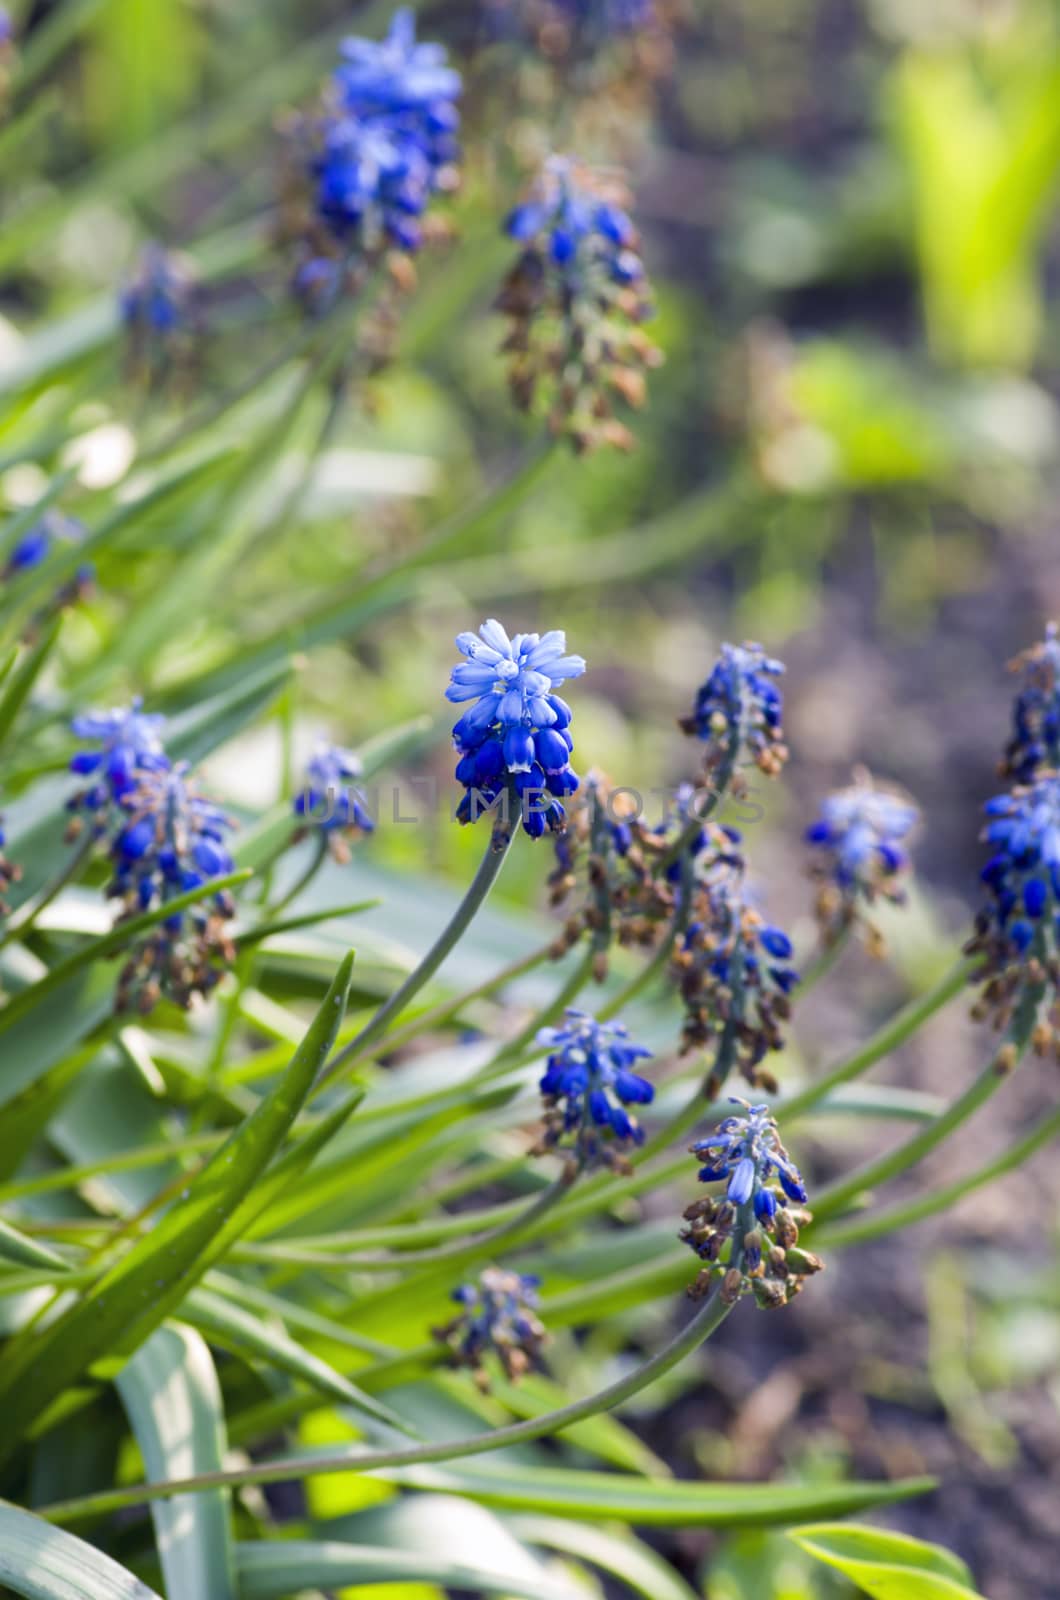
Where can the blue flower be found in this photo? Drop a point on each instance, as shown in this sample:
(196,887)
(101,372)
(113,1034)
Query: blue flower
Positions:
(165,840)
(514,739)
(734,970)
(499,1317)
(739,712)
(749,1237)
(1018,930)
(160,311)
(588,1086)
(859,845)
(1035,743)
(331,802)
(382,146)
(129,746)
(35,546)
(575,298)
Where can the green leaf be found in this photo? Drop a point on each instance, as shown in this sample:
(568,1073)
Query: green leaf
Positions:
(173,1401)
(887,1566)
(14,1246)
(131,1298)
(26,674)
(635,1564)
(651,1501)
(44,1563)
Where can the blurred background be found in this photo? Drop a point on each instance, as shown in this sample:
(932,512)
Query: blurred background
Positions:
(849,213)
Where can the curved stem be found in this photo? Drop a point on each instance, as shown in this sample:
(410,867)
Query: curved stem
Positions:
(507,1231)
(894,1032)
(876,1227)
(455,928)
(304,878)
(709,1317)
(841,1195)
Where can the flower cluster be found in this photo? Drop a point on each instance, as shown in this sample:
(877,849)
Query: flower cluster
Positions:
(383,144)
(748,1237)
(735,975)
(575,299)
(330,802)
(1035,742)
(739,713)
(624,871)
(514,742)
(499,1316)
(160,311)
(172,840)
(859,854)
(587,1086)
(37,543)
(1018,931)
(164,840)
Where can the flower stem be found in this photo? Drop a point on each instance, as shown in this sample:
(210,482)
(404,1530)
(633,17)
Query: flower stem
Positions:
(455,928)
(841,1195)
(707,1319)
(26,918)
(929,1205)
(894,1033)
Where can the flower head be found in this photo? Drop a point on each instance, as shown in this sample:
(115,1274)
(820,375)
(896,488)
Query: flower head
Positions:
(160,311)
(331,801)
(128,746)
(168,839)
(367,166)
(739,712)
(588,1086)
(860,855)
(35,546)
(514,739)
(734,970)
(499,1317)
(1018,930)
(1035,743)
(754,1221)
(575,299)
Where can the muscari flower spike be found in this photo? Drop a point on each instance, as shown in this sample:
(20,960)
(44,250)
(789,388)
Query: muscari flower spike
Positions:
(499,1317)
(331,803)
(168,839)
(514,743)
(575,299)
(748,1237)
(860,855)
(383,145)
(739,713)
(1034,746)
(624,871)
(734,970)
(159,309)
(588,1086)
(34,547)
(128,747)
(1018,931)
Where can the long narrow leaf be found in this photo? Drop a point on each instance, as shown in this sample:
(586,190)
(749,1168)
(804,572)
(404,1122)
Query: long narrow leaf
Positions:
(44,1563)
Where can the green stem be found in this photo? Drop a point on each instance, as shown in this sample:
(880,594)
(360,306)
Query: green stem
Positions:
(304,879)
(451,934)
(894,1033)
(708,1318)
(876,1227)
(842,1195)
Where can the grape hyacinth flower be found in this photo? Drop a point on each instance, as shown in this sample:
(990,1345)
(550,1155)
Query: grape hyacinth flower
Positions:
(748,1237)
(499,1318)
(735,974)
(160,311)
(34,547)
(330,803)
(1035,743)
(860,855)
(368,165)
(739,713)
(588,1085)
(1018,931)
(129,747)
(168,839)
(575,299)
(514,742)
